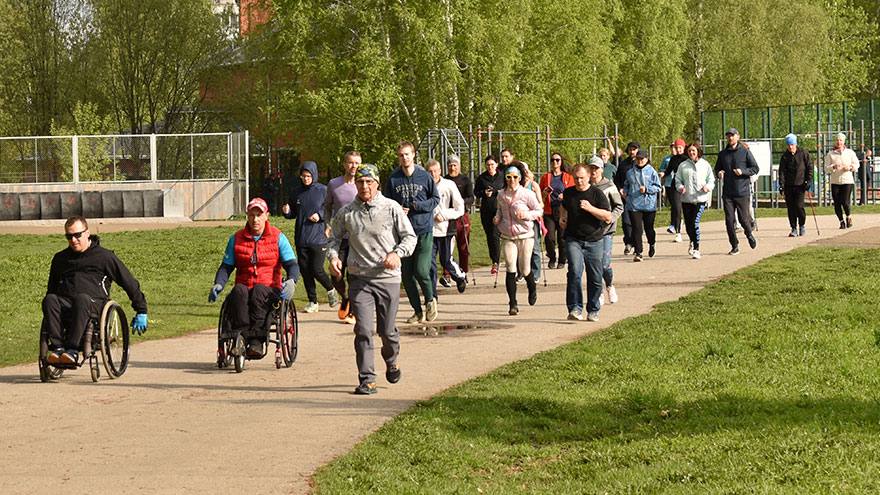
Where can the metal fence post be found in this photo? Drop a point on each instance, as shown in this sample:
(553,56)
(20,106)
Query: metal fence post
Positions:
(153,158)
(247,167)
(74,150)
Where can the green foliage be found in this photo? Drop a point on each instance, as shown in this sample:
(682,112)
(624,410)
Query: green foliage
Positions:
(92,153)
(763,382)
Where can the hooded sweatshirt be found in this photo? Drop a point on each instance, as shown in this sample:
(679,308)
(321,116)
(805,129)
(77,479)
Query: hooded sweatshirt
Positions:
(636,178)
(451,207)
(92,272)
(509,202)
(693,176)
(416,192)
(613,195)
(308,200)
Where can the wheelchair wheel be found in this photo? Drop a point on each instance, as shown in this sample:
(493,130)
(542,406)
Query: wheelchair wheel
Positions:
(47,371)
(289,333)
(94,370)
(114,335)
(238,360)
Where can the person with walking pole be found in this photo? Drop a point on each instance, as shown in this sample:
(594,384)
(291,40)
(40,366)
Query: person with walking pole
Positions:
(795,179)
(518,208)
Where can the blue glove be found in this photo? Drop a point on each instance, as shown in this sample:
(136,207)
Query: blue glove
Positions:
(287,289)
(139,323)
(215,291)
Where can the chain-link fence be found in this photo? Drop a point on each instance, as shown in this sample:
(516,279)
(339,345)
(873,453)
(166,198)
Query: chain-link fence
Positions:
(116,158)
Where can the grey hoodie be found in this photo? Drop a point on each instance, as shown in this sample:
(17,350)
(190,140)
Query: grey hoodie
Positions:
(373,230)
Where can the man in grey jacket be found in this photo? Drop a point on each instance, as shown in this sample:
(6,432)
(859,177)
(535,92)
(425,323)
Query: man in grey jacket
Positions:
(379,235)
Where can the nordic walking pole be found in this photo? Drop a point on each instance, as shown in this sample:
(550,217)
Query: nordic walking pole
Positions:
(813,209)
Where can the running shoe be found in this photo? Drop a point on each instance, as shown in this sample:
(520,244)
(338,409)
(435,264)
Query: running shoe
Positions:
(612,295)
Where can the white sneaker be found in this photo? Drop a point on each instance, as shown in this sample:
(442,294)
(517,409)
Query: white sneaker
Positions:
(677,237)
(612,294)
(311,307)
(695,254)
(690,248)
(601,300)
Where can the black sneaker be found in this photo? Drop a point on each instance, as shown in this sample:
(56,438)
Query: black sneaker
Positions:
(460,285)
(753,243)
(254,349)
(842,225)
(651,251)
(733,251)
(637,258)
(513,311)
(393,374)
(551,265)
(444,282)
(365,389)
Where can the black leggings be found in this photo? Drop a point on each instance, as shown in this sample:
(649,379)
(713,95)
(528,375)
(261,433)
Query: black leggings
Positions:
(311,267)
(554,237)
(674,199)
(492,241)
(794,203)
(642,221)
(693,212)
(840,194)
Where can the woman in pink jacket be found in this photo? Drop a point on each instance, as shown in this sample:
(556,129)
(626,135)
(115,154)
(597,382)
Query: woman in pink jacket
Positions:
(518,208)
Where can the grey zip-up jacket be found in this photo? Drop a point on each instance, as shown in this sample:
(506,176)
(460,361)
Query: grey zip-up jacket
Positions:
(610,189)
(373,230)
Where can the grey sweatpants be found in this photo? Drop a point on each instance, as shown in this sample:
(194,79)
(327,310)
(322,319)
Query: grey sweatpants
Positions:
(374,304)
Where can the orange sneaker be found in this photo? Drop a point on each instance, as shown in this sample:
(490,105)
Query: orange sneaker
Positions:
(342,312)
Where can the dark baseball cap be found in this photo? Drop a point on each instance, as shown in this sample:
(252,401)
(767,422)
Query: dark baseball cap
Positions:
(731,131)
(632,144)
(641,154)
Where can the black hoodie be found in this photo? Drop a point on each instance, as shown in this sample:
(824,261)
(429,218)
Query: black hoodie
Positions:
(92,272)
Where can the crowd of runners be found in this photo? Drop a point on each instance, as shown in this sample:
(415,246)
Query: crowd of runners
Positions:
(377,236)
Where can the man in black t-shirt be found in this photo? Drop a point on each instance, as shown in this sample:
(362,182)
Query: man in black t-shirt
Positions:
(584,215)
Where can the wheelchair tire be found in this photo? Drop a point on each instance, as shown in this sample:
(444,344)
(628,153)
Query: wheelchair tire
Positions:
(289,333)
(115,337)
(94,370)
(47,371)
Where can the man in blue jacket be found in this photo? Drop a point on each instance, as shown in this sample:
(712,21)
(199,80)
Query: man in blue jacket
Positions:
(412,187)
(309,235)
(735,166)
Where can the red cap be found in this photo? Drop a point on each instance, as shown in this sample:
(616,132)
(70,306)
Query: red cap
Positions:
(679,142)
(258,203)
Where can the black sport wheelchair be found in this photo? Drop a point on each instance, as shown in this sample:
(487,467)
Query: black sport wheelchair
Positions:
(107,336)
(281,328)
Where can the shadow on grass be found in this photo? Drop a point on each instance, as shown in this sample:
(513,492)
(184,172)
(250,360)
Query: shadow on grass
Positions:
(636,416)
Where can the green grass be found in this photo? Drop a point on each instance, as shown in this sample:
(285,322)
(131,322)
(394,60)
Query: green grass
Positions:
(765,381)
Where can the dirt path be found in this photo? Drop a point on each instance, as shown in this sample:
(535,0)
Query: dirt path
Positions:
(174,423)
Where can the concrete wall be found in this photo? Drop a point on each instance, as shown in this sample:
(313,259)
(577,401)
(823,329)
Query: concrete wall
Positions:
(199,200)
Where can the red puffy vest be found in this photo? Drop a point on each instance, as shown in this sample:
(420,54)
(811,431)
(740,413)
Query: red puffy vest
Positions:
(256,261)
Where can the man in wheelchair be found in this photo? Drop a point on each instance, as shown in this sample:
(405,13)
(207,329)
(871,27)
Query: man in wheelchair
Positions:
(79,284)
(256,253)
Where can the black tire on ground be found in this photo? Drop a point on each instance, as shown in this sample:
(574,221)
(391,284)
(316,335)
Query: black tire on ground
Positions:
(115,339)
(289,333)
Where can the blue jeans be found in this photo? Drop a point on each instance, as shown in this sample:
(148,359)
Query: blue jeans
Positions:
(607,272)
(584,255)
(536,251)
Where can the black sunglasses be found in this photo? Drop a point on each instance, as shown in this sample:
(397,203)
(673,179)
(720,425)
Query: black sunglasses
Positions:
(556,159)
(75,235)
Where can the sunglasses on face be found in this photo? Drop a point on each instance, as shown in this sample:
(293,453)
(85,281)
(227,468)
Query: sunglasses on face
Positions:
(556,159)
(74,235)
(509,177)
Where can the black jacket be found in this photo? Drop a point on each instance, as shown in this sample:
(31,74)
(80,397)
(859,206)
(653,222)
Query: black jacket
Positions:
(795,170)
(488,206)
(620,174)
(730,159)
(92,272)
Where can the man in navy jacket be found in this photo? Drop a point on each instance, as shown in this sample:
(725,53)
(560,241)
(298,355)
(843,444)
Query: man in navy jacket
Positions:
(412,187)
(735,167)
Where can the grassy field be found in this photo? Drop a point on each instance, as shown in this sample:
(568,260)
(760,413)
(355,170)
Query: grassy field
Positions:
(765,381)
(176,268)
